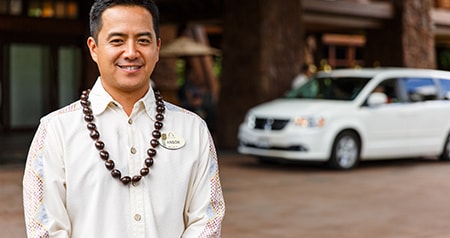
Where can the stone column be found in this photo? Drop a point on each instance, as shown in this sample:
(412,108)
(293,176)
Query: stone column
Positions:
(262,53)
(407,40)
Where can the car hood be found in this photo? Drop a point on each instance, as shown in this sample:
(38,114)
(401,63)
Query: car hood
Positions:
(294,107)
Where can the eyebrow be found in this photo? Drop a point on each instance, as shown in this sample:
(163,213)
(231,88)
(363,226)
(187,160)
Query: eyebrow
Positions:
(113,34)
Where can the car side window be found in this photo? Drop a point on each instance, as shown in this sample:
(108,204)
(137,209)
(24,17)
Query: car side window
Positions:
(420,89)
(445,86)
(390,89)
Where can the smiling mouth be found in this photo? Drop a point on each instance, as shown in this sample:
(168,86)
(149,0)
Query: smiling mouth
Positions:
(130,67)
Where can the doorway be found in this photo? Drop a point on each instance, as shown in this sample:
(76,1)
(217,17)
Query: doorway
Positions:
(38,79)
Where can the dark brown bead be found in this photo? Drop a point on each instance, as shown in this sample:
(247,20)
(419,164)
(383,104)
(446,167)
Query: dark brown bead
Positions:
(84,96)
(91,126)
(85,103)
(151,152)
(109,164)
(144,171)
(104,154)
(156,134)
(125,180)
(87,110)
(116,173)
(154,143)
(158,125)
(149,162)
(160,109)
(88,118)
(94,134)
(159,103)
(159,117)
(99,144)
(136,178)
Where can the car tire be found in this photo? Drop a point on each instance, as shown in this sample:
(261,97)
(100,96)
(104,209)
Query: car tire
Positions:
(345,152)
(445,156)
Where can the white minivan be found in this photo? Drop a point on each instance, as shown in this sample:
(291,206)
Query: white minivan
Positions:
(347,115)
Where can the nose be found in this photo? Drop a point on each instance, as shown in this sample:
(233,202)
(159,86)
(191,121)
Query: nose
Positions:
(131,51)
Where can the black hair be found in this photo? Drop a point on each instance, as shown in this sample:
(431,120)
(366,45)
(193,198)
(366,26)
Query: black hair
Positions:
(304,68)
(99,6)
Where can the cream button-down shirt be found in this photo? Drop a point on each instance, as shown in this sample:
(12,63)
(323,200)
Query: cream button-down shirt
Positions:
(68,192)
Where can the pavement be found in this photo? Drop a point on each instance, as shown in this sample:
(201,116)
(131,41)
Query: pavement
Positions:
(13,152)
(389,199)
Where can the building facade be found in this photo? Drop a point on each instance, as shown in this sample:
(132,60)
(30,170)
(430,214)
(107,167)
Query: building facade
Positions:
(44,62)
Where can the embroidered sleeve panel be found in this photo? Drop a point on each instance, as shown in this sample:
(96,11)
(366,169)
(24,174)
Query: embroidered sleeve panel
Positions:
(33,188)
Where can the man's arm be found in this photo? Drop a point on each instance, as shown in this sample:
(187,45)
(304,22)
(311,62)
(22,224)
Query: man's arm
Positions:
(39,170)
(207,207)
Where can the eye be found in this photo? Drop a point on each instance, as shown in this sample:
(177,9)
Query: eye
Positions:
(144,41)
(116,41)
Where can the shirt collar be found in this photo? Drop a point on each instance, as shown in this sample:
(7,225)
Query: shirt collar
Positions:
(101,99)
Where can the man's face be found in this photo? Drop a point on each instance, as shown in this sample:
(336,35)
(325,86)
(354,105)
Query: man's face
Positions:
(126,50)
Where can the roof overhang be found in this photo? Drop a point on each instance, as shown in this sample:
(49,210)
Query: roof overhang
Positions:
(320,15)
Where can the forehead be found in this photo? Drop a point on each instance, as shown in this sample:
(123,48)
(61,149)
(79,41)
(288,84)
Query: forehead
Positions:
(126,18)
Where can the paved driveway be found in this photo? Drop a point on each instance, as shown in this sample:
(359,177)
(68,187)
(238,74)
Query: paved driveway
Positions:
(408,198)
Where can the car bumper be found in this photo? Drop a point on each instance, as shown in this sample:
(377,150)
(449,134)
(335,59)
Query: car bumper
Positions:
(309,144)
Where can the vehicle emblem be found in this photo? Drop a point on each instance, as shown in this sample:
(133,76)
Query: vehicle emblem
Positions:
(268,124)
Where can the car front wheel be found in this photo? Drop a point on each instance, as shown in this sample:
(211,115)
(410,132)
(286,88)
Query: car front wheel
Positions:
(446,151)
(345,152)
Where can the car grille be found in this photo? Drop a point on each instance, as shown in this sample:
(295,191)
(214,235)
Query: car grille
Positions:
(270,124)
(289,148)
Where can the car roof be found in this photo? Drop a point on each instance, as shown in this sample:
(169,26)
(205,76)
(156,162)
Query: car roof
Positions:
(372,72)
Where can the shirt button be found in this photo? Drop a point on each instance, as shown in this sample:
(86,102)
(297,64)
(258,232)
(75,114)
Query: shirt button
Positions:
(137,217)
(133,150)
(130,121)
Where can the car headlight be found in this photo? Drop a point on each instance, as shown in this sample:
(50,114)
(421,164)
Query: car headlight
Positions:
(309,122)
(251,121)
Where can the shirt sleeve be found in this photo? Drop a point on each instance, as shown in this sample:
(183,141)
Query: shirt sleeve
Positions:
(43,187)
(206,206)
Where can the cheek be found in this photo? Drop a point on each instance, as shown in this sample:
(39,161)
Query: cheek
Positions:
(154,57)
(106,56)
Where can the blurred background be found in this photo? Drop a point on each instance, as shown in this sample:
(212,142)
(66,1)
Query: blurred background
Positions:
(219,58)
(254,50)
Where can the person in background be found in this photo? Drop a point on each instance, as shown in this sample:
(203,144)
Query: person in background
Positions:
(121,162)
(302,77)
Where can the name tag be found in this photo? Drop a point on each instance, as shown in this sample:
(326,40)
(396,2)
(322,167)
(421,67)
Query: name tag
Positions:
(171,141)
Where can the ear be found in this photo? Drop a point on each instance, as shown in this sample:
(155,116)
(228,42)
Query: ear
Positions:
(92,45)
(158,46)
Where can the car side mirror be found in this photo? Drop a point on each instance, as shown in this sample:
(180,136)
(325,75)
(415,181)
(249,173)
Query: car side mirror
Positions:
(377,98)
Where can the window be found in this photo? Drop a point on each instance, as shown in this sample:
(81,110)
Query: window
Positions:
(11,7)
(445,86)
(45,89)
(420,89)
(40,8)
(389,87)
(330,88)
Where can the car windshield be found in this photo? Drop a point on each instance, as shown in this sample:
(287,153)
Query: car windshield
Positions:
(331,88)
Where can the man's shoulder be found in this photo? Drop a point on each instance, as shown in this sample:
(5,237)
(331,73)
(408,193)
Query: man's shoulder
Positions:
(62,112)
(178,109)
(182,112)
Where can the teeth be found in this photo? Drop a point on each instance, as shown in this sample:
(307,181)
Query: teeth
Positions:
(130,67)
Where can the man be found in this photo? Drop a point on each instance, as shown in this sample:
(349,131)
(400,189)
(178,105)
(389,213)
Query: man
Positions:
(302,77)
(121,162)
